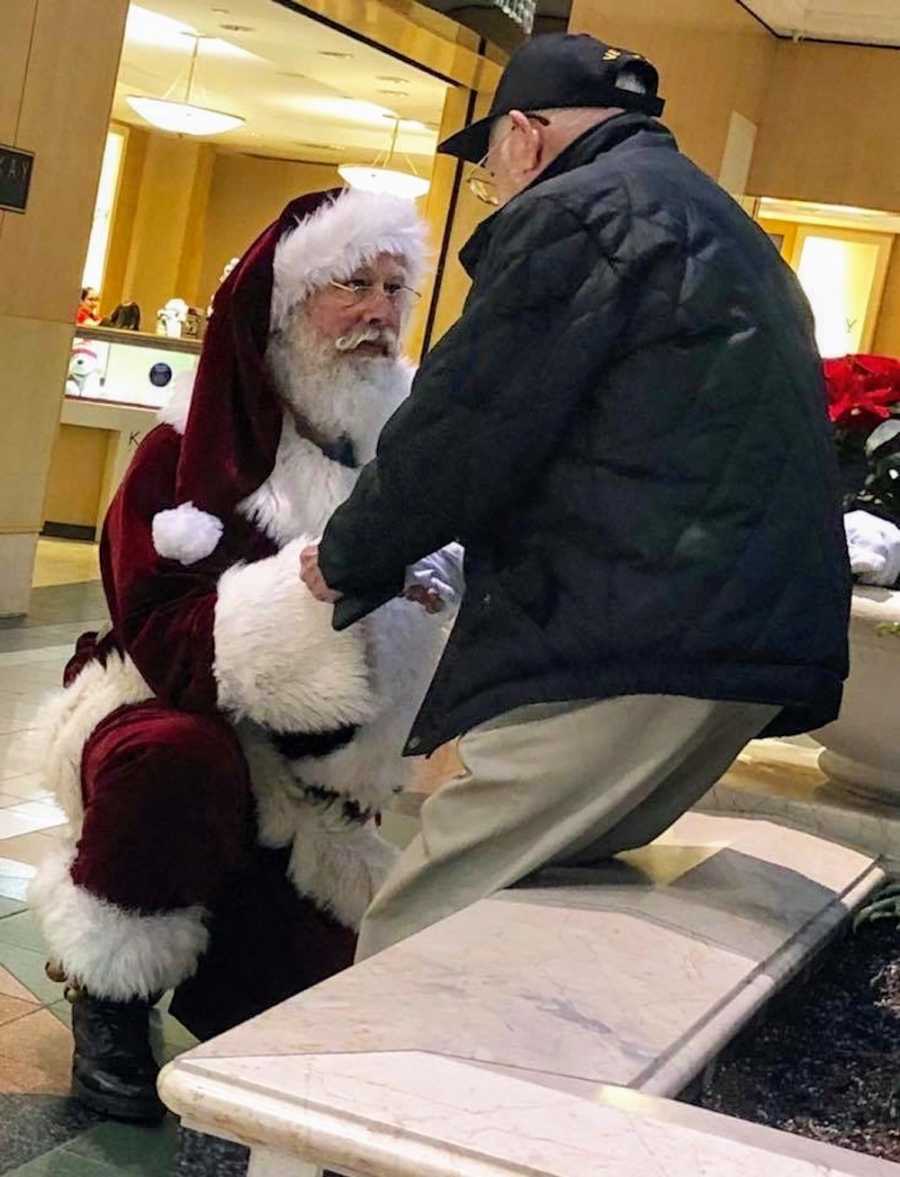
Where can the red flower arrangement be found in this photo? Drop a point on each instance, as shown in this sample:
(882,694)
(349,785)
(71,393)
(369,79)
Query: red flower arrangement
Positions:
(862,391)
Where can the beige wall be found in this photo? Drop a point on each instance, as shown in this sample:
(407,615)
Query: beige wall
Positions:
(830,128)
(163,254)
(52,105)
(75,478)
(247,194)
(713,58)
(127,198)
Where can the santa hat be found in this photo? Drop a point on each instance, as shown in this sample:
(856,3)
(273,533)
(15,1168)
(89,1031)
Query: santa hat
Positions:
(234,423)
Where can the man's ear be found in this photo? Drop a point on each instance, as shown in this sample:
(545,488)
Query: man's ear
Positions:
(531,140)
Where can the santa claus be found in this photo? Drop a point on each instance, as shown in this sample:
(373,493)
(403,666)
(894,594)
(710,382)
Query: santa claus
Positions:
(221,752)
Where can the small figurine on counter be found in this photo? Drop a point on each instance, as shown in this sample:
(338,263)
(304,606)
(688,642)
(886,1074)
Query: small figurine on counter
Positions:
(170,318)
(126,317)
(193,324)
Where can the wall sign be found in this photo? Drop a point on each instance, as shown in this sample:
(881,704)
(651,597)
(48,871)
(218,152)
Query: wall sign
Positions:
(15,178)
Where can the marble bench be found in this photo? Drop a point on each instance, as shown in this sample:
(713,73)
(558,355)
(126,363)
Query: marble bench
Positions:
(528,1033)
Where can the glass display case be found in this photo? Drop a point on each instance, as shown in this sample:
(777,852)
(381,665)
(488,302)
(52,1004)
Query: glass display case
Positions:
(129,367)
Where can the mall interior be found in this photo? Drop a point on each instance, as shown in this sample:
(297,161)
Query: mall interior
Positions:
(120,215)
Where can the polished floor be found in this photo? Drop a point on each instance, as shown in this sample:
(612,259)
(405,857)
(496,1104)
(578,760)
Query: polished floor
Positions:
(42,1130)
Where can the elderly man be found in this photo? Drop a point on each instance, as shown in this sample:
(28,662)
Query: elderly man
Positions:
(221,752)
(627,430)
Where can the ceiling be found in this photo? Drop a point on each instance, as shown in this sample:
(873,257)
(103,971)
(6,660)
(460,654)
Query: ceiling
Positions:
(871,22)
(307,91)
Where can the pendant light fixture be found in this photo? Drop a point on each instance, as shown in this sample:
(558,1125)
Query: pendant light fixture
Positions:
(184,117)
(381,177)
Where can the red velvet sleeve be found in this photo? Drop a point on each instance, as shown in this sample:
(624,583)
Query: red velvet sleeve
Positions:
(162,611)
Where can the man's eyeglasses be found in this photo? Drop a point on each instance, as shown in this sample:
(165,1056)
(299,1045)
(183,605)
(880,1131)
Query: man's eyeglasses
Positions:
(357,290)
(481,181)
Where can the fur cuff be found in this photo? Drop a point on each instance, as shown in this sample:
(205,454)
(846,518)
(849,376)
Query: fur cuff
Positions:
(73,713)
(186,534)
(112,952)
(278,660)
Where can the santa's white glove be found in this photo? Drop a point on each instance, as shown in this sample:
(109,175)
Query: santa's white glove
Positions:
(874,546)
(439,575)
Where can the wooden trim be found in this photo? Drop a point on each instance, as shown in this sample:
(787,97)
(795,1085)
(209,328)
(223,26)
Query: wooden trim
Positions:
(139,339)
(450,46)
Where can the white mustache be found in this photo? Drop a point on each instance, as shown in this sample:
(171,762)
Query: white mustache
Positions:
(362,335)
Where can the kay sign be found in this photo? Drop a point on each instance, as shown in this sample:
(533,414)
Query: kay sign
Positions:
(15,178)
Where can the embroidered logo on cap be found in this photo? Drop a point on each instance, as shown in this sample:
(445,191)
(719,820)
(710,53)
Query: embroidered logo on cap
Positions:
(612,54)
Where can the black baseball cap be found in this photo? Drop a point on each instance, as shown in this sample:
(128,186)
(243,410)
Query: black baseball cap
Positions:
(561,70)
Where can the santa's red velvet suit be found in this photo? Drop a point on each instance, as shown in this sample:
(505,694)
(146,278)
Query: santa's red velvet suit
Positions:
(222,752)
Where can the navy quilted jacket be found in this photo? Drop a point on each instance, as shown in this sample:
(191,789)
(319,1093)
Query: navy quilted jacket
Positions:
(627,430)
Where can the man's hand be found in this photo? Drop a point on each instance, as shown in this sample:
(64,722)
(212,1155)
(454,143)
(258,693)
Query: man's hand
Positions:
(312,577)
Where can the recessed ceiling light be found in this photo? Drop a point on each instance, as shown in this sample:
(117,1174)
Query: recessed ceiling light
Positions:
(290,74)
(334,53)
(396,93)
(221,11)
(389,78)
(237,28)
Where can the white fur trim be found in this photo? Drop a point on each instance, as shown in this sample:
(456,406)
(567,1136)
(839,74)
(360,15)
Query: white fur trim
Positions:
(405,644)
(340,237)
(339,866)
(278,660)
(71,716)
(275,791)
(114,953)
(175,411)
(186,534)
(302,492)
(305,487)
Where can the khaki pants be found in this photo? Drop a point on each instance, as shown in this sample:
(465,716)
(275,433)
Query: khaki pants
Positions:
(563,784)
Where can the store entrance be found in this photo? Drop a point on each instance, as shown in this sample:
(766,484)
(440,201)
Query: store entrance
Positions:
(221,116)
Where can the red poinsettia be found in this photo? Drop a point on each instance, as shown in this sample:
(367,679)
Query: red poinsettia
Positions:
(861,391)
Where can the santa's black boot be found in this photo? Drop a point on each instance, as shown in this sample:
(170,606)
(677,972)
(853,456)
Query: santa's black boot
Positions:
(113,1070)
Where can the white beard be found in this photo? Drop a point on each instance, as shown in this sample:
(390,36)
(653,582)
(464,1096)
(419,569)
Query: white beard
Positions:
(340,394)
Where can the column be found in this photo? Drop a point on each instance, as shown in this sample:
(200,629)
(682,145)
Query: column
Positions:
(58,66)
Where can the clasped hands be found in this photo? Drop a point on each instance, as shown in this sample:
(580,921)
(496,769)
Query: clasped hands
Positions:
(420,587)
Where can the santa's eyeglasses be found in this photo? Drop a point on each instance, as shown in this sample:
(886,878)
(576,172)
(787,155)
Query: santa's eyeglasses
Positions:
(357,290)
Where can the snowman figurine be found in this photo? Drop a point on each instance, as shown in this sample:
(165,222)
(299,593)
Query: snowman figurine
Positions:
(170,319)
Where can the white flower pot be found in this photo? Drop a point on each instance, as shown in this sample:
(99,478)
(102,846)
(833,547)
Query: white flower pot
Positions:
(861,749)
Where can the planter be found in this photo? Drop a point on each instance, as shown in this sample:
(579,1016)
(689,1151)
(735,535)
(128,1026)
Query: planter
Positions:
(861,749)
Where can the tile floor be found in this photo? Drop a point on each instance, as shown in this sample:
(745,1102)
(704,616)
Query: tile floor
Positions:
(42,1130)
